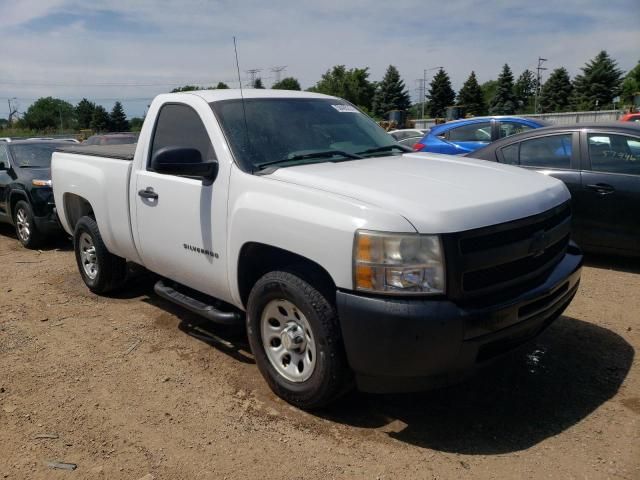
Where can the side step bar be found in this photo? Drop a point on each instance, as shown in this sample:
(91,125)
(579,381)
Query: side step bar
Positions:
(196,306)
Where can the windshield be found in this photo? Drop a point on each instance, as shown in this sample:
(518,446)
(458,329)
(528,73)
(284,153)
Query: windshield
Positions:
(33,155)
(296,131)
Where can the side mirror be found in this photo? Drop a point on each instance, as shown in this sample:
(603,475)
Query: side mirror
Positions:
(185,161)
(3,166)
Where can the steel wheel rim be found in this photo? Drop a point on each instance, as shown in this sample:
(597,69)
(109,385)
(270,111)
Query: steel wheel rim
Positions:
(22,222)
(88,256)
(288,341)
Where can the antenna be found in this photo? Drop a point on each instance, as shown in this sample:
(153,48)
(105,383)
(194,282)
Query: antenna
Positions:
(244,110)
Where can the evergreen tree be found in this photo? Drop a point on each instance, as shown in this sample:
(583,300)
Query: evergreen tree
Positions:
(631,85)
(598,84)
(390,94)
(257,83)
(84,113)
(100,119)
(555,95)
(222,86)
(352,85)
(503,102)
(287,83)
(471,96)
(524,90)
(118,119)
(136,124)
(440,95)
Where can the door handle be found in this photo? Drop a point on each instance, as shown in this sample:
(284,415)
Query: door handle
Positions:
(148,193)
(601,188)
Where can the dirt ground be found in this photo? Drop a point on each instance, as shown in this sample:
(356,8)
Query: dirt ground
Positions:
(132,387)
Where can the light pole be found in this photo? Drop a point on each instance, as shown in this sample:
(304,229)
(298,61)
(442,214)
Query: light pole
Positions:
(538,78)
(424,86)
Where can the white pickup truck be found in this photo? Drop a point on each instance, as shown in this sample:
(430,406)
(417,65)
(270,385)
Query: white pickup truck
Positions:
(351,261)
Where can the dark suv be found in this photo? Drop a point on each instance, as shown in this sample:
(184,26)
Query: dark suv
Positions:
(26,197)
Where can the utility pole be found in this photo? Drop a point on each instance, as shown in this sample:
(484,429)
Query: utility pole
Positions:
(253,73)
(13,110)
(424,86)
(538,79)
(277,71)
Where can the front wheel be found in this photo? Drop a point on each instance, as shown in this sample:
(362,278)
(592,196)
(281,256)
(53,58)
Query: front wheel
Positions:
(25,224)
(295,337)
(101,270)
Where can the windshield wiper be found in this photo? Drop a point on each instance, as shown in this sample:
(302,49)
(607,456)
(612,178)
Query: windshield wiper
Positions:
(386,148)
(307,156)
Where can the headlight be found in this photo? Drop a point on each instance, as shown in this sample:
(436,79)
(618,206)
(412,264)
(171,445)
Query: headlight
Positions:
(401,264)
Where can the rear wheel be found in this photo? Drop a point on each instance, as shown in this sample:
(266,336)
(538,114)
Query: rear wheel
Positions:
(101,270)
(296,340)
(26,229)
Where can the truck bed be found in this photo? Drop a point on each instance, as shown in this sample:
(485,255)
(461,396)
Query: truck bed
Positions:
(117,152)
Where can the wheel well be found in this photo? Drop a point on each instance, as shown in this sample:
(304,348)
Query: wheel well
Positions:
(76,207)
(15,197)
(257,259)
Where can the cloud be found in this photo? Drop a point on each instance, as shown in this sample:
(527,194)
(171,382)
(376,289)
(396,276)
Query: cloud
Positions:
(72,48)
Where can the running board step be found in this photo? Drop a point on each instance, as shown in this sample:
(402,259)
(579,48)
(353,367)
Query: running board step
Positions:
(196,306)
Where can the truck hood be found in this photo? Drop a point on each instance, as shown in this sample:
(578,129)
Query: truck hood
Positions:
(436,193)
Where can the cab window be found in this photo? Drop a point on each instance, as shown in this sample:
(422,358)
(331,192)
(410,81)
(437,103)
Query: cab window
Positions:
(180,125)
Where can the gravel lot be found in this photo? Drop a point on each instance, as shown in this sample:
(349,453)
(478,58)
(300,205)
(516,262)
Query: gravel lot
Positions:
(134,387)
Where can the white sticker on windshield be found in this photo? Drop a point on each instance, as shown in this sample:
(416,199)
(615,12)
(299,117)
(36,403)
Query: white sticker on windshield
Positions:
(346,108)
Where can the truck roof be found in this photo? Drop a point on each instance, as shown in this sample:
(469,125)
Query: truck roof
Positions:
(234,94)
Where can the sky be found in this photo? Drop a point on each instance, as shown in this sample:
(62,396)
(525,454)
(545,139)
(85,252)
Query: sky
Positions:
(131,50)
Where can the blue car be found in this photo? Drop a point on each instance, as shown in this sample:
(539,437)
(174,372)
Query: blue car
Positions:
(463,136)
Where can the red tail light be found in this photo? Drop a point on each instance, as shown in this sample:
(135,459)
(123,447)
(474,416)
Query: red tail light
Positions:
(418,146)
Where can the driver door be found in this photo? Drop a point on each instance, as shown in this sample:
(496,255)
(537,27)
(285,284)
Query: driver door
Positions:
(181,221)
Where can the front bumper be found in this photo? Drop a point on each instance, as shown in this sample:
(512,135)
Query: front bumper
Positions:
(48,224)
(410,345)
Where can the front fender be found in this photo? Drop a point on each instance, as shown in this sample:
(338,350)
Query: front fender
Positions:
(314,224)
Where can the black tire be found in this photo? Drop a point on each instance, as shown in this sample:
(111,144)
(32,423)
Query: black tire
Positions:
(331,376)
(110,271)
(26,229)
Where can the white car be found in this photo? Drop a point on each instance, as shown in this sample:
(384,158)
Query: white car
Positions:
(351,261)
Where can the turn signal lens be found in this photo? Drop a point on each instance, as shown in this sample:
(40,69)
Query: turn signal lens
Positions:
(418,146)
(41,183)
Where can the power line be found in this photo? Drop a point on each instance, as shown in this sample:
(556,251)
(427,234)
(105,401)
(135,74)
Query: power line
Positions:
(538,79)
(278,71)
(252,76)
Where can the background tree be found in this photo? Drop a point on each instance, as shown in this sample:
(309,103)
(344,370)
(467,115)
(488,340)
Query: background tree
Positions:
(287,83)
(84,112)
(555,95)
(222,85)
(471,96)
(118,119)
(440,95)
(598,84)
(503,102)
(100,119)
(257,83)
(352,85)
(187,88)
(631,85)
(49,113)
(489,90)
(524,90)
(135,124)
(390,94)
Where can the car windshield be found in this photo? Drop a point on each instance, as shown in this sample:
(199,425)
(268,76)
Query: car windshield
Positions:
(33,155)
(288,131)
